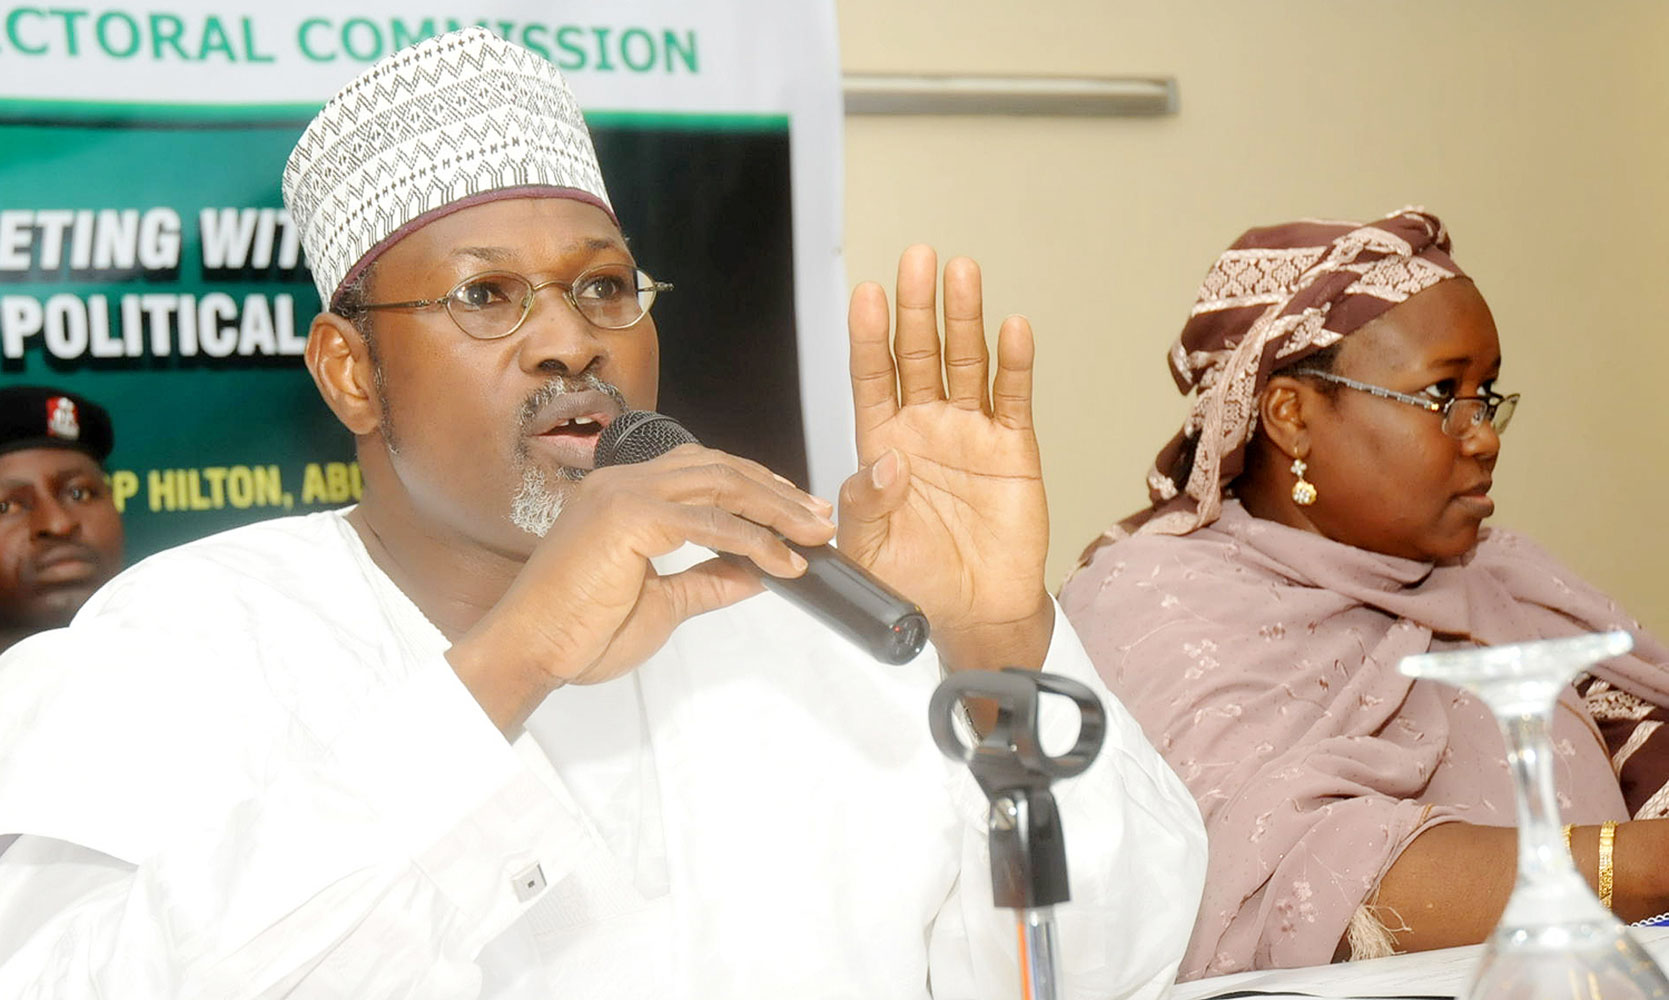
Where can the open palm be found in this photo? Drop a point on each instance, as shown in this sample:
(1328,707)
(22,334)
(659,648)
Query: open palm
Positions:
(948,505)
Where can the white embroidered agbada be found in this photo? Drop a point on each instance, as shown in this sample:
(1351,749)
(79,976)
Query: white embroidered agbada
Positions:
(246,770)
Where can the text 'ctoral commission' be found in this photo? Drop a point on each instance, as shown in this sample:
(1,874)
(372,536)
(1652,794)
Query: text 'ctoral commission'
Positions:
(115,34)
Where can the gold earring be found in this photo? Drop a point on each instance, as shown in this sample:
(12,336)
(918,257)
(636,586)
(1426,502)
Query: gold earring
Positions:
(1303,491)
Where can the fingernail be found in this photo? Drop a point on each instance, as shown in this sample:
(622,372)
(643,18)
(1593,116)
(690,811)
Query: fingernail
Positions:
(885,470)
(798,561)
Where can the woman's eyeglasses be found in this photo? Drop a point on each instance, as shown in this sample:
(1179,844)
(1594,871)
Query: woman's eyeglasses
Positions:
(1461,414)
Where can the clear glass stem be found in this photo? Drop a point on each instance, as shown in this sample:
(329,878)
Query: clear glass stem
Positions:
(1546,872)
(1541,847)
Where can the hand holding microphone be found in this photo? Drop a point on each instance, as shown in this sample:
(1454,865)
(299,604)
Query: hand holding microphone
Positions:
(587,605)
(837,591)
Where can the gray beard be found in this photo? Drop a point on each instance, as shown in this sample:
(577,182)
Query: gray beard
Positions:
(538,501)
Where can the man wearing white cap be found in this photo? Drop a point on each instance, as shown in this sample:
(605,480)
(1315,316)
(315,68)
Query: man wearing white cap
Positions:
(371,753)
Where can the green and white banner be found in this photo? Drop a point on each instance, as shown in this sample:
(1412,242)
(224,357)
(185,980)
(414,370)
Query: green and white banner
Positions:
(146,259)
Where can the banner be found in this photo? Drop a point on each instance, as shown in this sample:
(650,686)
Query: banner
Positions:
(146,259)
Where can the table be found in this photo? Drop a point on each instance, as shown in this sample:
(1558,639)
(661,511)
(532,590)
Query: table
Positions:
(1429,973)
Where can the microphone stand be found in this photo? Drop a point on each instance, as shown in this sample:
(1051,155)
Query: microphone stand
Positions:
(1027,843)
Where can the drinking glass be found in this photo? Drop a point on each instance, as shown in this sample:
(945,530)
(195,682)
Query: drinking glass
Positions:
(1555,941)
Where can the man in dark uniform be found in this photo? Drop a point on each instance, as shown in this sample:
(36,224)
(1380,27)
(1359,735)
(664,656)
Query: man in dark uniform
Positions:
(60,533)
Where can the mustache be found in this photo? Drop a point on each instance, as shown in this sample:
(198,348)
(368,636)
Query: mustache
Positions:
(562,385)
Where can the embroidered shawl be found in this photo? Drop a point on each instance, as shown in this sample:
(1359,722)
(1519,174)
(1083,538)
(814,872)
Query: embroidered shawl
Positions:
(1261,660)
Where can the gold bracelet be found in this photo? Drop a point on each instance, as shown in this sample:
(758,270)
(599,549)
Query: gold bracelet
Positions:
(1607,834)
(1567,836)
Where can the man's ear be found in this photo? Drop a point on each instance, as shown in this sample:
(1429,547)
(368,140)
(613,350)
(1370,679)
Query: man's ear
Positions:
(340,363)
(1283,410)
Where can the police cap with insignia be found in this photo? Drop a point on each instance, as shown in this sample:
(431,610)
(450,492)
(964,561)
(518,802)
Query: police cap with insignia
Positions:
(37,416)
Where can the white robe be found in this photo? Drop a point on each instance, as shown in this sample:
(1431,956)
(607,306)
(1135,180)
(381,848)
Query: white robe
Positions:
(246,770)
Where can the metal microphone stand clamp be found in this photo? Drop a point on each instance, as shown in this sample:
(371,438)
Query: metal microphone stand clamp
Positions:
(1028,846)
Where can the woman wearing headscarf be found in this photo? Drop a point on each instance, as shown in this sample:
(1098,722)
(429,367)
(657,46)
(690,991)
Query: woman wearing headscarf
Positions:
(1317,518)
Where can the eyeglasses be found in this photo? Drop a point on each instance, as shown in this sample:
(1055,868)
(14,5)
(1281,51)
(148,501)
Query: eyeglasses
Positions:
(1461,414)
(496,304)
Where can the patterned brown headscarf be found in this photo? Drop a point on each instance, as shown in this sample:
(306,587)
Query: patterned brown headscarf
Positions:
(1279,294)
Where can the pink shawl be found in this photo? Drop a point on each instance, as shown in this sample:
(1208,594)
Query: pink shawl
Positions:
(1261,660)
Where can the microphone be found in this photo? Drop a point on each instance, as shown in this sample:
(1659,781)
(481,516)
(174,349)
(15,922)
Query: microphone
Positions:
(834,589)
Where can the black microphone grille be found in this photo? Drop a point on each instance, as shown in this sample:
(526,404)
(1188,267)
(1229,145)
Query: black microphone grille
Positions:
(638,436)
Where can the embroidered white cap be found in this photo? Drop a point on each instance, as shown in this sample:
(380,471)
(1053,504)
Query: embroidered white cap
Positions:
(453,121)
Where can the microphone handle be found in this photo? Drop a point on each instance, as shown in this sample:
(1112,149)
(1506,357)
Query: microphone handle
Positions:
(850,600)
(835,590)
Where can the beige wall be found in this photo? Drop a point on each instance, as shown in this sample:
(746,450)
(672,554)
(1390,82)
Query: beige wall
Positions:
(1534,128)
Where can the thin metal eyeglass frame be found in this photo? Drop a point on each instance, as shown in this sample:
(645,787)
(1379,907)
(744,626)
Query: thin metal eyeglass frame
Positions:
(1493,401)
(646,283)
